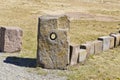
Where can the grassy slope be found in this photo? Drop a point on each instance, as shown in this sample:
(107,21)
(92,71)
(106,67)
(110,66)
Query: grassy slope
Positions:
(24,14)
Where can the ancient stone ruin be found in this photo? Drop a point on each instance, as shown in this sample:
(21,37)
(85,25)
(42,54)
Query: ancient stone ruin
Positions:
(53,43)
(54,50)
(10,39)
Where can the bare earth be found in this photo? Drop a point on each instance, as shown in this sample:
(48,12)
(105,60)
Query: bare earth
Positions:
(10,70)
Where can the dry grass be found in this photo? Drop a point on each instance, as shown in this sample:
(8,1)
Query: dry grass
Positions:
(24,14)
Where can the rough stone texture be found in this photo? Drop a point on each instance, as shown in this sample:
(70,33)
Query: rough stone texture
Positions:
(98,46)
(92,47)
(53,54)
(116,39)
(106,42)
(74,49)
(10,39)
(82,56)
(112,40)
(89,47)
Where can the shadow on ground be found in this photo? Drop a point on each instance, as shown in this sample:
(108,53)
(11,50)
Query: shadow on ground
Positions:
(24,62)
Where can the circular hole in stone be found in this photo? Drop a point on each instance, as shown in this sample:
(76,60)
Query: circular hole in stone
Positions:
(53,36)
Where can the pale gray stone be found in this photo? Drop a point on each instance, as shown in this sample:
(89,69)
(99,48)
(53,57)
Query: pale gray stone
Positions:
(106,42)
(74,49)
(116,39)
(10,39)
(98,46)
(82,56)
(92,47)
(53,42)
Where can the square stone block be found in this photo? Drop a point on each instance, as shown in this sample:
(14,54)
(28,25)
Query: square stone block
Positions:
(53,42)
(116,39)
(92,47)
(10,39)
(106,42)
(82,56)
(98,46)
(89,47)
(74,49)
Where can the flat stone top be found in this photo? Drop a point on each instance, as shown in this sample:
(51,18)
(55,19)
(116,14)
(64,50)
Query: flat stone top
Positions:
(82,50)
(103,37)
(11,28)
(48,17)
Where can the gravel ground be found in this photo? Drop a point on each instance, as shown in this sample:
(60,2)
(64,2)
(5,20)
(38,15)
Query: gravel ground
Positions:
(12,71)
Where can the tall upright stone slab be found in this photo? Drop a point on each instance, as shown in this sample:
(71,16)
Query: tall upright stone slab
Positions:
(74,50)
(53,42)
(116,39)
(98,46)
(10,39)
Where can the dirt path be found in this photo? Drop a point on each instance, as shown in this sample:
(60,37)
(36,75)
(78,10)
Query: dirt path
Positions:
(12,68)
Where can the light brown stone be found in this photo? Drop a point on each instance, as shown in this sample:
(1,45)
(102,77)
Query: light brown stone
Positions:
(53,43)
(10,39)
(98,46)
(116,39)
(74,49)
(92,47)
(88,47)
(82,56)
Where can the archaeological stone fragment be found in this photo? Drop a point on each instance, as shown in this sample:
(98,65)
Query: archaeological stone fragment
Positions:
(98,46)
(82,56)
(74,50)
(116,39)
(10,39)
(53,42)
(106,42)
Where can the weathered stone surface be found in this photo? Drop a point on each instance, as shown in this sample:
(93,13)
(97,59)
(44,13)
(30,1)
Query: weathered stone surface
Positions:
(98,46)
(82,55)
(89,46)
(53,43)
(10,39)
(106,42)
(112,40)
(92,47)
(74,49)
(116,39)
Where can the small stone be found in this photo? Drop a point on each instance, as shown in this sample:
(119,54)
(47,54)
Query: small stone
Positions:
(98,46)
(87,47)
(106,42)
(82,56)
(116,39)
(74,49)
(92,47)
(10,39)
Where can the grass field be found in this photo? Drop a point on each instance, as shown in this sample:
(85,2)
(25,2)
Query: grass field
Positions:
(25,13)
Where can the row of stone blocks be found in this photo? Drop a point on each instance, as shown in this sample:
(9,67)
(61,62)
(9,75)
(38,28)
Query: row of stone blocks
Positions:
(10,39)
(54,50)
(81,52)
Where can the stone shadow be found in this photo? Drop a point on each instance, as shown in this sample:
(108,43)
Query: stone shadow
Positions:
(23,62)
